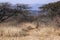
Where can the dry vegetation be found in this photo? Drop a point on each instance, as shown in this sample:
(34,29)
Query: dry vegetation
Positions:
(28,31)
(41,27)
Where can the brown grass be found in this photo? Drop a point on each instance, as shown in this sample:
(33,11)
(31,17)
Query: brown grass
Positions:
(28,31)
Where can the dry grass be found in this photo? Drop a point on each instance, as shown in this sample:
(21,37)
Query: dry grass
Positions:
(27,31)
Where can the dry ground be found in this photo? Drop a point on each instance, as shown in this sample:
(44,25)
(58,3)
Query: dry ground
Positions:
(27,31)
